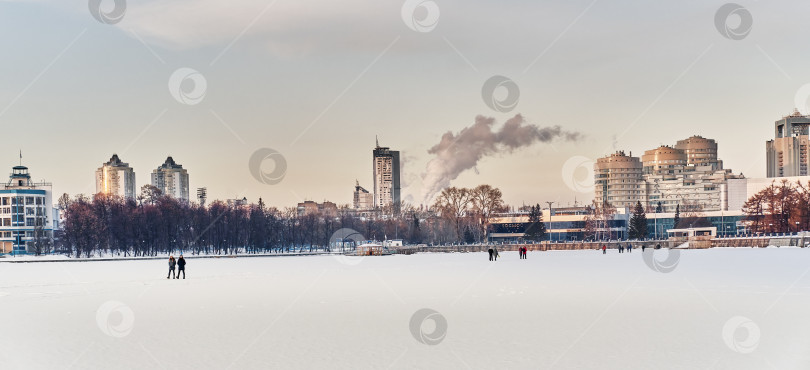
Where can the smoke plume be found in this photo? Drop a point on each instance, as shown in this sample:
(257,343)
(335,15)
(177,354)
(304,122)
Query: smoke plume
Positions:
(456,153)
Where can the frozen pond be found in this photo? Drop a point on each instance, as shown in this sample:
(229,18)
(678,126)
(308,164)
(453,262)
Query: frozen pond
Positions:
(719,308)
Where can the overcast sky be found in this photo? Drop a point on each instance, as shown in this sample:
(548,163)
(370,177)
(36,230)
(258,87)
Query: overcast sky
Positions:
(317,80)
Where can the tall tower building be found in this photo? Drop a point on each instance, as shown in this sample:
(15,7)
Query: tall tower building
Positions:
(116,178)
(171,179)
(386,177)
(787,152)
(618,180)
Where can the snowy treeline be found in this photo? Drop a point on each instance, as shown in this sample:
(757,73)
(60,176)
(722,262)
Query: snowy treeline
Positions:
(154,225)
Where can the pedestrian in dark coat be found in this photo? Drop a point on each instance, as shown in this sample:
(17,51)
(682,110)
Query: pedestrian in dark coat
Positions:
(491,253)
(642,248)
(181,267)
(496,254)
(171,267)
(629,248)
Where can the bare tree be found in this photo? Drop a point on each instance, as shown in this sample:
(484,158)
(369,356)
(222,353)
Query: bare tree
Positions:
(486,200)
(453,205)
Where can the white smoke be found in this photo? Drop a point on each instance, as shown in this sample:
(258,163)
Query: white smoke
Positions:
(456,153)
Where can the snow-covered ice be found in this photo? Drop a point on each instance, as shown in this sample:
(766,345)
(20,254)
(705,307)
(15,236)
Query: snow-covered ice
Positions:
(718,308)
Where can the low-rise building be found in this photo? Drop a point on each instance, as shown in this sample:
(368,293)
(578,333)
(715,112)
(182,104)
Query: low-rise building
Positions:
(363,200)
(26,212)
(309,207)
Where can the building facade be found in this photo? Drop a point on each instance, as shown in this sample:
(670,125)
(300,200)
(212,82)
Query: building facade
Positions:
(309,207)
(116,178)
(172,179)
(570,224)
(700,151)
(363,200)
(26,212)
(786,154)
(689,176)
(618,180)
(562,224)
(386,177)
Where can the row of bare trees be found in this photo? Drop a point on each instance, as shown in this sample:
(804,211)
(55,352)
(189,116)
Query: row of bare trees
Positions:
(781,207)
(469,210)
(155,224)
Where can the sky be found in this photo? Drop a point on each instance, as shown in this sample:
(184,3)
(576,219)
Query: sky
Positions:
(213,83)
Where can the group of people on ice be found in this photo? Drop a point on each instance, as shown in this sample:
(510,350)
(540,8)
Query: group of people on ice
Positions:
(621,248)
(181,265)
(628,248)
(493,253)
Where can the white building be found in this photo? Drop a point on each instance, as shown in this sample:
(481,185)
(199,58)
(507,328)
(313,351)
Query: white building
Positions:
(25,208)
(116,178)
(171,179)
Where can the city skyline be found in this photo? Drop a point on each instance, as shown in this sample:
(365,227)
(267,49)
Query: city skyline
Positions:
(619,80)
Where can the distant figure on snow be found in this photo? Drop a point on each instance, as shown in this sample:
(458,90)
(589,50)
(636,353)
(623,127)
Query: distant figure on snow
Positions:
(642,248)
(171,267)
(523,251)
(629,248)
(496,253)
(491,253)
(181,267)
(604,249)
(621,248)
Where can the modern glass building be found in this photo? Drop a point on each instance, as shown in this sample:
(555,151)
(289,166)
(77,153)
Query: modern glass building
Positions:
(570,225)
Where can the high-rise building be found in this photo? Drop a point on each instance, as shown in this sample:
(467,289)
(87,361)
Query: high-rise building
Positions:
(618,180)
(786,154)
(171,179)
(663,160)
(363,199)
(116,178)
(386,177)
(700,152)
(688,176)
(26,212)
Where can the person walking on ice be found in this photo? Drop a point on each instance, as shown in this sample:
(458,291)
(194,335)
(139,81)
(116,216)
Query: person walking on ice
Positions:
(181,267)
(491,253)
(171,267)
(604,249)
